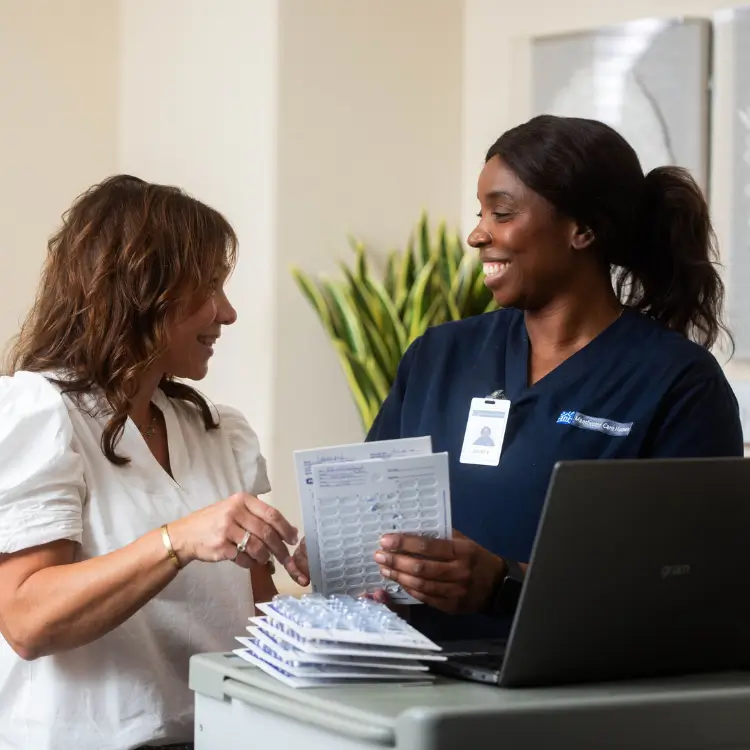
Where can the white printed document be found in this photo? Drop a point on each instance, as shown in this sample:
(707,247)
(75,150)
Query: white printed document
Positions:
(352,495)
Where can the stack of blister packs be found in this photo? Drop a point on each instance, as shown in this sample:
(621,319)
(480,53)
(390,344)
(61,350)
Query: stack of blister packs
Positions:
(318,641)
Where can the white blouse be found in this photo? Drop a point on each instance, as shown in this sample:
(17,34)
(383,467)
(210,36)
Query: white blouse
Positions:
(131,686)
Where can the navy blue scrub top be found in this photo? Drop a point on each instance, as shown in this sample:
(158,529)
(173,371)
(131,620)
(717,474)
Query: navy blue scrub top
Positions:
(672,390)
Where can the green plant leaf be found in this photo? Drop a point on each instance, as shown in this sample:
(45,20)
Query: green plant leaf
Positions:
(450,258)
(452,310)
(314,296)
(462,284)
(393,328)
(455,249)
(352,334)
(360,266)
(423,241)
(431,317)
(358,293)
(419,303)
(439,252)
(405,278)
(334,313)
(378,316)
(388,339)
(381,359)
(360,385)
(479,292)
(381,383)
(391,270)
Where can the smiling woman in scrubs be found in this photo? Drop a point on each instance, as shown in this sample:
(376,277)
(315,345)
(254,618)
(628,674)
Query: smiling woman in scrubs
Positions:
(612,302)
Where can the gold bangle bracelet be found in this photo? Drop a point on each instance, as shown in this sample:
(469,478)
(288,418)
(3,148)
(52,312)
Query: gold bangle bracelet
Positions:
(170,549)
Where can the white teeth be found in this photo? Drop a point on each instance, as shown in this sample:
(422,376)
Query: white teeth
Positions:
(207,340)
(493,269)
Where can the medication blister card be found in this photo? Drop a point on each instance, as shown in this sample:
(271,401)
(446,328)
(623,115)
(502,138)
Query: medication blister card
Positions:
(305,460)
(317,640)
(278,632)
(344,619)
(320,679)
(336,671)
(298,657)
(356,502)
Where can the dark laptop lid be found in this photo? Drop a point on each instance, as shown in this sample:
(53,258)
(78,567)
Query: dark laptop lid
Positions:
(639,568)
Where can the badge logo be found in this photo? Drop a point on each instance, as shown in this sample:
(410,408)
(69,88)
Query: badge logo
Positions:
(597,424)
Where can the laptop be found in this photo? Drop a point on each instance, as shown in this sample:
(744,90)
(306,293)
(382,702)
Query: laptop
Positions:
(640,568)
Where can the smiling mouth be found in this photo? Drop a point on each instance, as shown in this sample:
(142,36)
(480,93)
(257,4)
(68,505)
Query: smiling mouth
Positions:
(495,268)
(207,340)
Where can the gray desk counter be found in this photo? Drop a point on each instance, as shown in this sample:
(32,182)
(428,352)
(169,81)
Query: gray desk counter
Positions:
(240,707)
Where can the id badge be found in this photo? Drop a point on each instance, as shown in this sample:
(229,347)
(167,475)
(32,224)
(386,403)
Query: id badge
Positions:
(485,431)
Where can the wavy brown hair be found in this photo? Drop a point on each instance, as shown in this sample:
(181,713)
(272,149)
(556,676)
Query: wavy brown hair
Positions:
(128,258)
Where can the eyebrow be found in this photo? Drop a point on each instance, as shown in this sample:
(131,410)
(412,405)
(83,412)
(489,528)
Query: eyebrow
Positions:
(495,194)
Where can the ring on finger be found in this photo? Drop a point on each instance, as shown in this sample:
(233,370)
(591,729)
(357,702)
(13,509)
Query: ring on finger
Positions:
(242,546)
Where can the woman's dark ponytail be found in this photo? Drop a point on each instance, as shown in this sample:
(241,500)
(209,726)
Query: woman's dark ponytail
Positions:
(672,275)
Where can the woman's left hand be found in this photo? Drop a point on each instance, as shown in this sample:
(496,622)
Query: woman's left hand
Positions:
(453,575)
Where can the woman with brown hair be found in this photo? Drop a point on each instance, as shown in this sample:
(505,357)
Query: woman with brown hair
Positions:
(112,474)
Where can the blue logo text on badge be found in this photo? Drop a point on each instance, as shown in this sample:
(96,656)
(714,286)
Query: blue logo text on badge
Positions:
(597,424)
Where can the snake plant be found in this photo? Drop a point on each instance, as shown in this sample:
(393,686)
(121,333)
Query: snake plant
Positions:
(372,318)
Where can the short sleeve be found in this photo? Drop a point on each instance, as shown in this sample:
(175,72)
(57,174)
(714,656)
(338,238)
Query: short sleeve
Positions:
(387,423)
(42,487)
(699,419)
(246,449)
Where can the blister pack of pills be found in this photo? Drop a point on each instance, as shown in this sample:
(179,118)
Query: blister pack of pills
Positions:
(319,641)
(279,632)
(298,658)
(350,503)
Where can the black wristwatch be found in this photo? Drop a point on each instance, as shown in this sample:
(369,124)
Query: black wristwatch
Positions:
(506,590)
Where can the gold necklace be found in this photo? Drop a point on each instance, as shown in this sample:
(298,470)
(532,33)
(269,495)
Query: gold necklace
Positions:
(148,433)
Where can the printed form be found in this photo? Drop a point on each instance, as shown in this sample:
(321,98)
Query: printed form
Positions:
(353,494)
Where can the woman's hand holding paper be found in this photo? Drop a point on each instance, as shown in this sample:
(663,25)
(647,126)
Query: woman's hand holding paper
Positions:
(454,575)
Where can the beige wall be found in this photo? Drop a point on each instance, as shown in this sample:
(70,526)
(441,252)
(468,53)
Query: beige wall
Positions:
(369,134)
(197,88)
(57,128)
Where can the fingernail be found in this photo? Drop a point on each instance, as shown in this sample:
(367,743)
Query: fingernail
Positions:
(302,580)
(389,541)
(295,537)
(380,557)
(385,572)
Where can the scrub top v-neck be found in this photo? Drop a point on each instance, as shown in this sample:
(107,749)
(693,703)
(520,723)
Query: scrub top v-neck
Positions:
(637,390)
